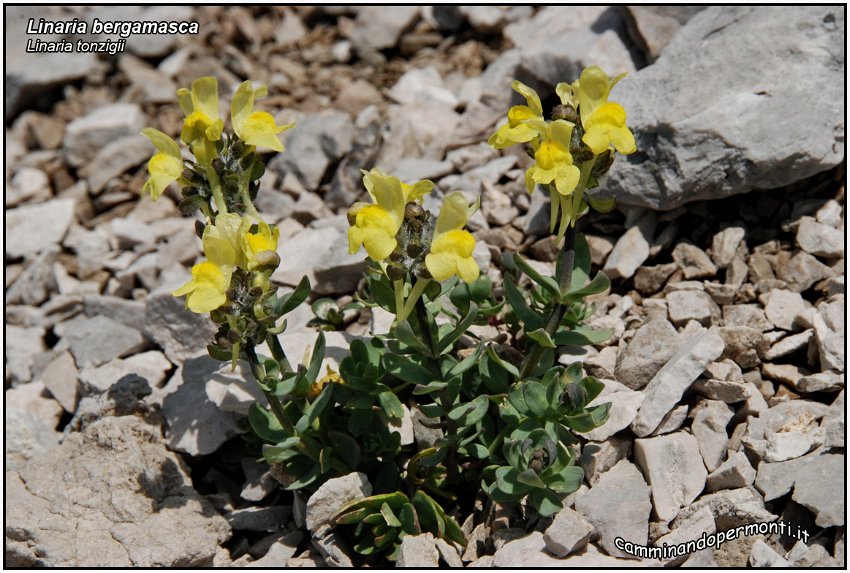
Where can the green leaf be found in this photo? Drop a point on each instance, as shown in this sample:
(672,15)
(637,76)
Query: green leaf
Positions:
(290,301)
(477,451)
(281,452)
(265,425)
(433,386)
(568,480)
(592,386)
(600,283)
(506,481)
(589,419)
(407,370)
(535,396)
(547,283)
(582,336)
(511,369)
(581,264)
(530,477)
(546,502)
(382,294)
(325,456)
(459,330)
(529,318)
(466,363)
(346,448)
(389,516)
(404,333)
(407,517)
(306,478)
(391,404)
(429,518)
(432,410)
(316,358)
(470,413)
(315,409)
(542,338)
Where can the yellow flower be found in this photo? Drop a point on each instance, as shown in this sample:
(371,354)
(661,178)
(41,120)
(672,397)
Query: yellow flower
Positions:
(211,278)
(208,287)
(261,247)
(517,130)
(604,122)
(451,247)
(164,167)
(254,127)
(375,226)
(552,159)
(317,387)
(202,125)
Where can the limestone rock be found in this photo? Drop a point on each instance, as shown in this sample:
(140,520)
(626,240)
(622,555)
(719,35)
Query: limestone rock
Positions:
(763,555)
(654,343)
(624,407)
(686,305)
(693,261)
(33,228)
(689,146)
(618,506)
(320,140)
(118,484)
(178,331)
(331,496)
(735,472)
(418,551)
(194,424)
(829,334)
(380,27)
(819,239)
(674,470)
(631,250)
(87,135)
(569,532)
(667,386)
(95,341)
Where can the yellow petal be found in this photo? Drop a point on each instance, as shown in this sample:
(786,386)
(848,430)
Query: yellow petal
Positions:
(205,96)
(530,96)
(208,287)
(241,106)
(417,191)
(386,191)
(451,253)
(593,91)
(260,130)
(623,140)
(567,179)
(162,142)
(375,229)
(454,214)
(163,169)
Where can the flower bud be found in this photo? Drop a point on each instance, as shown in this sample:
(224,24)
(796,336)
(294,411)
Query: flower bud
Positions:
(566,112)
(266,259)
(414,211)
(395,272)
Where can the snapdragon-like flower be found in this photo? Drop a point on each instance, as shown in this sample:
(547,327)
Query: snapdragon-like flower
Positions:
(222,242)
(256,128)
(452,246)
(202,125)
(375,226)
(553,162)
(261,247)
(604,122)
(518,130)
(164,167)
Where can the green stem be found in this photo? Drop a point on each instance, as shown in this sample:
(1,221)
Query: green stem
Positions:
(260,375)
(398,287)
(445,394)
(215,185)
(413,298)
(565,277)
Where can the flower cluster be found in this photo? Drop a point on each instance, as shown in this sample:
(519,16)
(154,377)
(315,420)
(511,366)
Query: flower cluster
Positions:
(398,234)
(573,148)
(221,180)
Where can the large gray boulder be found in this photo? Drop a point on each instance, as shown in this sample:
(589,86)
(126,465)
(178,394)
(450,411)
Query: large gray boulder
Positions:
(743,97)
